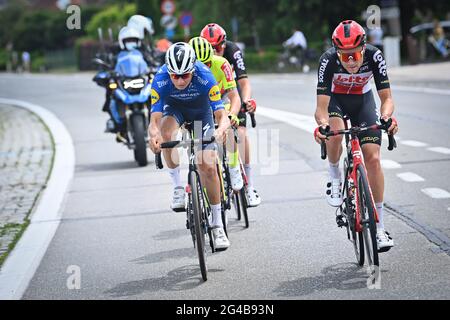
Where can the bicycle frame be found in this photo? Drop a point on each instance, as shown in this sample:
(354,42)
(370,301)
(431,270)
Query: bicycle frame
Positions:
(356,159)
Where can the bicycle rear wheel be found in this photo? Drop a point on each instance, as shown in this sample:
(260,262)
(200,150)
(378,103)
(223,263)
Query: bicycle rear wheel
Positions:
(199,227)
(368,223)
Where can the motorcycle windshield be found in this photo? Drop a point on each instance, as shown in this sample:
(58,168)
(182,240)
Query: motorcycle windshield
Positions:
(131,64)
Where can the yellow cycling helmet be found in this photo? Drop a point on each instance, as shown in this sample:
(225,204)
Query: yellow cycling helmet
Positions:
(203,49)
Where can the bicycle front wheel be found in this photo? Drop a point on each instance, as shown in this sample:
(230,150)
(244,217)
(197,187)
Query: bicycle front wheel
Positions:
(356,237)
(244,205)
(199,227)
(367,212)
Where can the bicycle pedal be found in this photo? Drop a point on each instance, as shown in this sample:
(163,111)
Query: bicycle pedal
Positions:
(179,209)
(187,225)
(340,222)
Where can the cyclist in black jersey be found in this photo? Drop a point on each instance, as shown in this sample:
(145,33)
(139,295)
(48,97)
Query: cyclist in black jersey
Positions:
(344,88)
(217,36)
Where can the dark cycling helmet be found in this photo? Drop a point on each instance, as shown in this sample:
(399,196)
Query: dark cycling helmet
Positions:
(214,33)
(348,35)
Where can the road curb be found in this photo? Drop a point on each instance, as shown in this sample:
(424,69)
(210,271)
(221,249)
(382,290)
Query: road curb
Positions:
(23,261)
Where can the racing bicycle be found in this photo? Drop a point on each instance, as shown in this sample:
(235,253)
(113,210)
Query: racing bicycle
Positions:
(358,212)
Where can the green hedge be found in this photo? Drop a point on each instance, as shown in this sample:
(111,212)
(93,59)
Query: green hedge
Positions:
(264,61)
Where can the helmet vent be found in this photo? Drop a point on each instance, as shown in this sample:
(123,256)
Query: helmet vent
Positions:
(347,28)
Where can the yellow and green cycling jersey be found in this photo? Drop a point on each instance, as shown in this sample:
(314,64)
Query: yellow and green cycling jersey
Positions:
(223,73)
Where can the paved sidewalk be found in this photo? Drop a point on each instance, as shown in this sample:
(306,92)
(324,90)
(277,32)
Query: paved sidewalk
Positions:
(26,152)
(436,75)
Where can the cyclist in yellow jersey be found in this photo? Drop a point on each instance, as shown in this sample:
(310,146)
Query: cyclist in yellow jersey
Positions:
(223,73)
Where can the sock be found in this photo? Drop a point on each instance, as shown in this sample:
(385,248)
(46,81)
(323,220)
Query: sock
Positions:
(175,175)
(380,225)
(334,171)
(248,173)
(216,210)
(234,159)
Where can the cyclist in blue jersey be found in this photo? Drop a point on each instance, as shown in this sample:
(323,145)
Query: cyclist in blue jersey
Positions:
(185,90)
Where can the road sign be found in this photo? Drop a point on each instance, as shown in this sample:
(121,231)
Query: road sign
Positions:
(170,33)
(168,7)
(186,19)
(168,22)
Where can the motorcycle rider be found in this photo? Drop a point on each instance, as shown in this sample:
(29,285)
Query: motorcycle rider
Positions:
(130,42)
(144,26)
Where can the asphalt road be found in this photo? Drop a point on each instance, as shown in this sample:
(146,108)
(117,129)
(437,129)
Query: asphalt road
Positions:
(118,229)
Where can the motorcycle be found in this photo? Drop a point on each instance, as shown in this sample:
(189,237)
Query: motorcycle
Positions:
(293,59)
(128,87)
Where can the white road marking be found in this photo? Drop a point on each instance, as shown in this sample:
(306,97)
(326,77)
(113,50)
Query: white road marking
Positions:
(410,177)
(436,193)
(390,164)
(385,137)
(422,90)
(23,261)
(440,150)
(306,123)
(414,143)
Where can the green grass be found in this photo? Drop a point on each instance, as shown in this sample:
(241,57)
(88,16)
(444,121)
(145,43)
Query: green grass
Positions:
(16,228)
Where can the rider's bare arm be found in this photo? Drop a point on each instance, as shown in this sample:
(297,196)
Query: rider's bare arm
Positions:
(387,103)
(154,131)
(387,108)
(321,114)
(246,89)
(235,101)
(155,124)
(223,123)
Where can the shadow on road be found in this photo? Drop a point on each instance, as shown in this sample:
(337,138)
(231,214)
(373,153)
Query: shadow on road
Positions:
(171,234)
(179,279)
(167,255)
(343,276)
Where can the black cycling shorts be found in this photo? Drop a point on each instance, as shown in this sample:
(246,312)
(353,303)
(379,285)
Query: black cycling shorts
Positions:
(362,111)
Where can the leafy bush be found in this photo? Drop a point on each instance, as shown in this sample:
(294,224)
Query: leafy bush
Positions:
(113,17)
(265,61)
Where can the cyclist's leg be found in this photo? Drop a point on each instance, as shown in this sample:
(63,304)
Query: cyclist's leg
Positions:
(207,157)
(334,144)
(254,198)
(371,147)
(206,163)
(170,124)
(334,150)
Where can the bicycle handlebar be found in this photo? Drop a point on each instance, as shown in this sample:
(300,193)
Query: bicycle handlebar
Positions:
(355,130)
(185,143)
(323,146)
(158,161)
(252,115)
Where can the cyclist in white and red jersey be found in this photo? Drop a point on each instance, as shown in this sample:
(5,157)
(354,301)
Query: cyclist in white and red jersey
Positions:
(344,88)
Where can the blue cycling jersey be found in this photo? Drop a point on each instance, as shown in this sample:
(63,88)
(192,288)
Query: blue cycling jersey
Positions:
(202,94)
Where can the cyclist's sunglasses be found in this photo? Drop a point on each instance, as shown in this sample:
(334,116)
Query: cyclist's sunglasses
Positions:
(182,76)
(220,46)
(355,56)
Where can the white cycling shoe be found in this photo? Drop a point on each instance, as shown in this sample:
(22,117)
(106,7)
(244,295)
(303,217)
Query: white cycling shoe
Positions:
(236,178)
(253,198)
(384,241)
(178,200)
(333,193)
(220,239)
